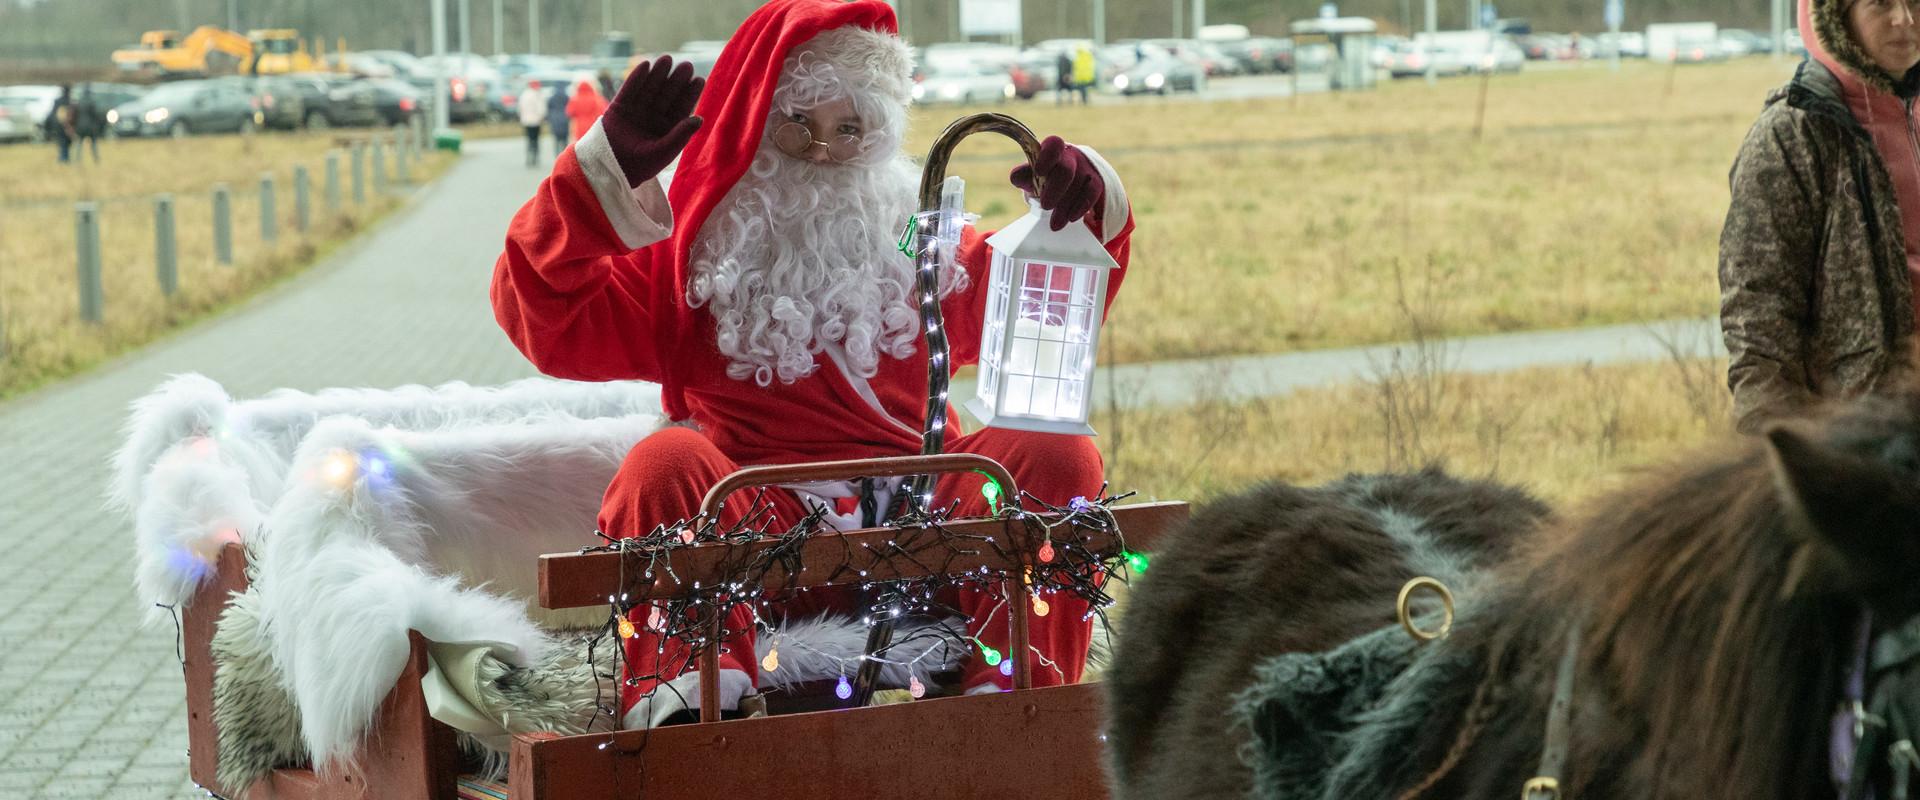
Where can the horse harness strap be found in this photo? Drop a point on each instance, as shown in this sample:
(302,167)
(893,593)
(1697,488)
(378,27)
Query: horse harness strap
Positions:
(1884,726)
(1553,750)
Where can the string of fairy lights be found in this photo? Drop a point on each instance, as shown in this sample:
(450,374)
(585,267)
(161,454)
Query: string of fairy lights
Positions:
(1070,563)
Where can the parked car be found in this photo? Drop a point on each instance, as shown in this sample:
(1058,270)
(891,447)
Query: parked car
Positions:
(336,102)
(186,107)
(514,66)
(1157,71)
(1457,53)
(1261,54)
(1035,72)
(16,121)
(395,101)
(36,100)
(1738,43)
(277,102)
(962,82)
(1203,54)
(472,86)
(405,66)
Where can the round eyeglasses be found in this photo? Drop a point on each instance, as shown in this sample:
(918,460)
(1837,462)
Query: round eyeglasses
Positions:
(796,140)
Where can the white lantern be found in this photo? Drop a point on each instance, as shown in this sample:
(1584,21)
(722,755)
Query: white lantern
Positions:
(1045,295)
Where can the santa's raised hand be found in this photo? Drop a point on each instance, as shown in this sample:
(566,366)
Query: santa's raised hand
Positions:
(1070,184)
(651,117)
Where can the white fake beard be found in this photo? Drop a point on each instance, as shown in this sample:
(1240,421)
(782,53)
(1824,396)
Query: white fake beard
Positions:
(800,255)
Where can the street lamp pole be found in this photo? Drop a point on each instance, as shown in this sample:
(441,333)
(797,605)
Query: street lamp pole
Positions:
(1100,22)
(1431,29)
(499,28)
(533,26)
(442,95)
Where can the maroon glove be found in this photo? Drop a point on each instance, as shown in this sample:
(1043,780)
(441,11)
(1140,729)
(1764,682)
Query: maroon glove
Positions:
(652,117)
(1071,183)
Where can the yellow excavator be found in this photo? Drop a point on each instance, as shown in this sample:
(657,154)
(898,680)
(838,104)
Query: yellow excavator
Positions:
(212,50)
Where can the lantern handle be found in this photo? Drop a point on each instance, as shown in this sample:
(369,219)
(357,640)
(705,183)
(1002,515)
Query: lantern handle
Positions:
(935,170)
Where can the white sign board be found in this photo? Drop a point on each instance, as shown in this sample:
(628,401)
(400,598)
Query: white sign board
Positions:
(989,17)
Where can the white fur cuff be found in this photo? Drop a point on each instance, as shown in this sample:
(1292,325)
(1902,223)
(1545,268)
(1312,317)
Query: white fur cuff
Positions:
(1114,214)
(640,215)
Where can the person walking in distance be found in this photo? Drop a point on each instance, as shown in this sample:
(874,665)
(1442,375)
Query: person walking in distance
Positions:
(88,122)
(533,112)
(557,122)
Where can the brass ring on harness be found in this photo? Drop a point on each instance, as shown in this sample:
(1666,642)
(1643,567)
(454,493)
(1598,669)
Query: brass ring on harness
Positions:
(1405,612)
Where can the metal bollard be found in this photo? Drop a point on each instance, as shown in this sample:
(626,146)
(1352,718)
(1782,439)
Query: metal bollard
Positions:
(418,128)
(401,155)
(166,256)
(302,210)
(333,181)
(222,225)
(359,173)
(86,237)
(379,167)
(269,219)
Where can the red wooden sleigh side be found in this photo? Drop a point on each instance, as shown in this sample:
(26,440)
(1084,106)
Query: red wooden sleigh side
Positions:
(1026,742)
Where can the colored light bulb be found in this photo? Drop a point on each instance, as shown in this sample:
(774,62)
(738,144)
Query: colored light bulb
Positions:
(1006,667)
(1040,607)
(654,621)
(1137,561)
(915,687)
(772,661)
(991,655)
(626,628)
(844,690)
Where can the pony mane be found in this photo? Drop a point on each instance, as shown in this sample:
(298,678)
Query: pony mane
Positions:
(1709,633)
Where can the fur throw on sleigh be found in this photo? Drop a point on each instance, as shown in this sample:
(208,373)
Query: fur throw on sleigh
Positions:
(366,515)
(198,469)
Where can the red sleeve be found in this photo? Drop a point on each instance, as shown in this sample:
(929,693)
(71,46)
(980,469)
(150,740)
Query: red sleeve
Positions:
(569,293)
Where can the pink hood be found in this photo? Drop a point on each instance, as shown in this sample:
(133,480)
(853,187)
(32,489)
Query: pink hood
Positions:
(1870,95)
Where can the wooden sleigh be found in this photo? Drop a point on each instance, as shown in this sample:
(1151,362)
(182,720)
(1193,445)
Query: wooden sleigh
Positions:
(931,749)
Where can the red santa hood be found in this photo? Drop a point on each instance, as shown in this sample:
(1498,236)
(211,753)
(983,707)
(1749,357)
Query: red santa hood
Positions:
(734,107)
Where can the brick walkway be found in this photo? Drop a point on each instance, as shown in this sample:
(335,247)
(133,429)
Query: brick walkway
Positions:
(92,706)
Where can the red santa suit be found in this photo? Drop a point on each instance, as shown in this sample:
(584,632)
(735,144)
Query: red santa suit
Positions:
(593,286)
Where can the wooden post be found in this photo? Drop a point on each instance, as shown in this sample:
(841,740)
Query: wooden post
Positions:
(333,182)
(1480,113)
(222,224)
(359,173)
(165,253)
(379,167)
(400,159)
(269,218)
(302,208)
(86,238)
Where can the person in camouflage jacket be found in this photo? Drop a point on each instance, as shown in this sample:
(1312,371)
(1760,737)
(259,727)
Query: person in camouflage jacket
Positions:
(1817,258)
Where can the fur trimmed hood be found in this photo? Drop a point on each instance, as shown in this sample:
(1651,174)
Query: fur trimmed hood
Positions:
(1823,28)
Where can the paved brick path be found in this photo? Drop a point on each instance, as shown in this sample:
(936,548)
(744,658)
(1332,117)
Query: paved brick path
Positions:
(92,706)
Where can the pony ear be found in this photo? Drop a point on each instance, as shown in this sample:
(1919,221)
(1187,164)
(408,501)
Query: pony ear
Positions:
(1861,509)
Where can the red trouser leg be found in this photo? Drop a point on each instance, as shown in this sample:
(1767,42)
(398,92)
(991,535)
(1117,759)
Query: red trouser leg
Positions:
(662,481)
(1054,468)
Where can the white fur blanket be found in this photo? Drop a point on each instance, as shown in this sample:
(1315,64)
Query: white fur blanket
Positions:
(199,469)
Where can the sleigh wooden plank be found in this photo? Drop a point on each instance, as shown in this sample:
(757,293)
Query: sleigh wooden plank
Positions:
(408,756)
(569,580)
(944,749)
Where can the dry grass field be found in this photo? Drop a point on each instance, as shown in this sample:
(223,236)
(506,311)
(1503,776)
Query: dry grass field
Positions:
(42,336)
(1563,432)
(1269,225)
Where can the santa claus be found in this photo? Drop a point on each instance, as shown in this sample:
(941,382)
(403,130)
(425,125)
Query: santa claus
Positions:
(760,285)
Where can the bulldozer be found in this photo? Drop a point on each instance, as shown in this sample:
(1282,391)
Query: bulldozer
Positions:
(212,50)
